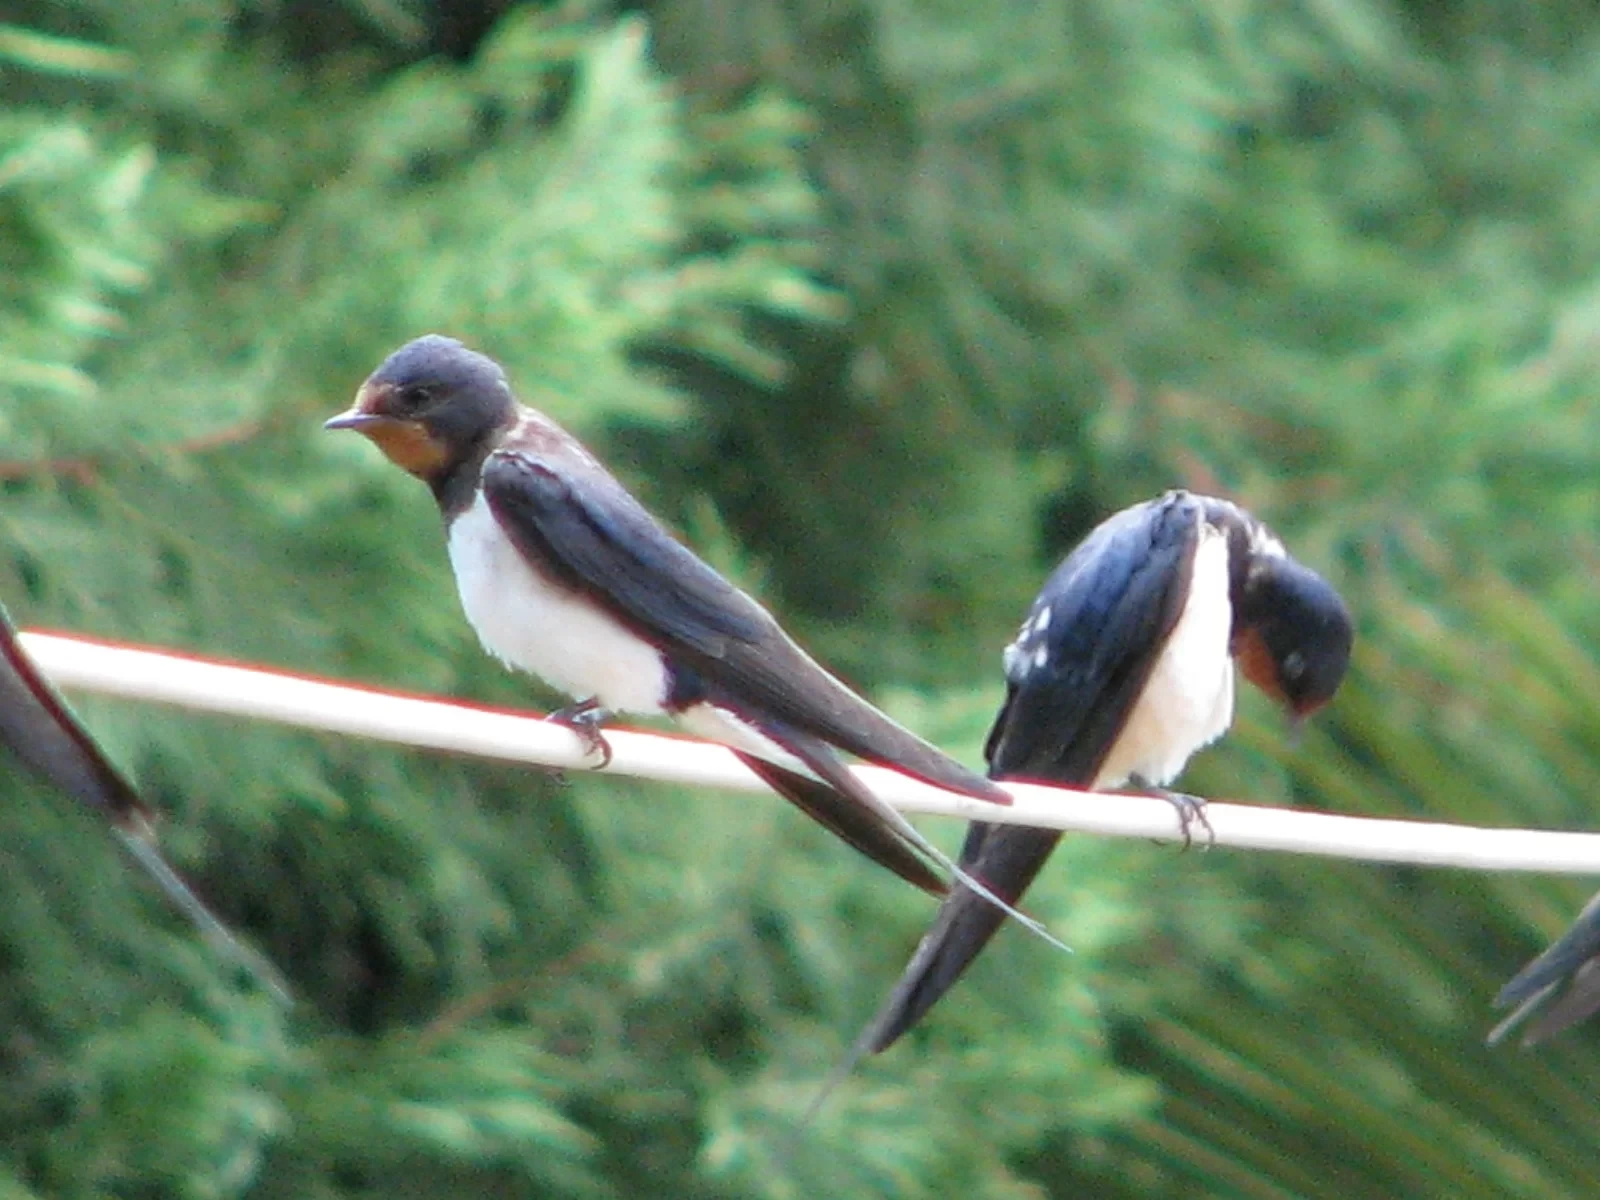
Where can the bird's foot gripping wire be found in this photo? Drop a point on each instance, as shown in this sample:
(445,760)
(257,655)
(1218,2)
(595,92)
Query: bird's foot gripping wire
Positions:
(1191,812)
(585,719)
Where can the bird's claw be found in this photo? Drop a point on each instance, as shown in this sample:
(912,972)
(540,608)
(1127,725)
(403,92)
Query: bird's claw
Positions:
(1191,812)
(584,719)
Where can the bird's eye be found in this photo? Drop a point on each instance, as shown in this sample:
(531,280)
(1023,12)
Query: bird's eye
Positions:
(1294,665)
(413,399)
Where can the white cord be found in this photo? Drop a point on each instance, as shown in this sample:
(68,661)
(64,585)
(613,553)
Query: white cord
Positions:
(188,682)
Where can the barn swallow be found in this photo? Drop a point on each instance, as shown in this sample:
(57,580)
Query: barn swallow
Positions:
(564,575)
(1573,959)
(1122,670)
(39,728)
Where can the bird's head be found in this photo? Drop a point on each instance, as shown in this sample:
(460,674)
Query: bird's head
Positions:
(1294,635)
(431,406)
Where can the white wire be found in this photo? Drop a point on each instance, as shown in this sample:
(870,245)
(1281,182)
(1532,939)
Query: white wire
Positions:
(150,675)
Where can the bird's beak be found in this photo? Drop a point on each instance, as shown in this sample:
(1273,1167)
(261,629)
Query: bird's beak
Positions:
(366,412)
(405,442)
(352,419)
(1297,730)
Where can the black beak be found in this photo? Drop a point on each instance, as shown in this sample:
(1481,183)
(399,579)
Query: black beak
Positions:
(353,420)
(1297,730)
(366,410)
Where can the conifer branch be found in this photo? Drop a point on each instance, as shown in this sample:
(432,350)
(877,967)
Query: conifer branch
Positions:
(469,1008)
(212,686)
(84,469)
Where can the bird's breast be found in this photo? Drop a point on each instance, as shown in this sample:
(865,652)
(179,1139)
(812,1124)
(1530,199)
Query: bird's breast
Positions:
(529,621)
(1187,702)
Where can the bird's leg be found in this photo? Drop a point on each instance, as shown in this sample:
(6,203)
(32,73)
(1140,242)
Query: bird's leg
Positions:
(1191,811)
(584,718)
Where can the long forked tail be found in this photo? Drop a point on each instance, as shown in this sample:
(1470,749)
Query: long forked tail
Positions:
(846,818)
(817,756)
(217,935)
(1008,858)
(1572,956)
(39,728)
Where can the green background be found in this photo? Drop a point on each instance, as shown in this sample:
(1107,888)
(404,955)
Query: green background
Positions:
(882,304)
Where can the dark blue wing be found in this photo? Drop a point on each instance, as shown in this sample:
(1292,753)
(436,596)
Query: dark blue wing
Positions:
(586,527)
(582,525)
(1106,613)
(1073,675)
(38,728)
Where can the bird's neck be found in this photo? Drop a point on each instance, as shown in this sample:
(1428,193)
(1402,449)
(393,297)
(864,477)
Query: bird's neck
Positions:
(455,487)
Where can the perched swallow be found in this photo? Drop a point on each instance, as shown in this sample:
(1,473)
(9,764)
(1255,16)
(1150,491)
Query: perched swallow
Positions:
(563,574)
(1573,959)
(39,728)
(1122,671)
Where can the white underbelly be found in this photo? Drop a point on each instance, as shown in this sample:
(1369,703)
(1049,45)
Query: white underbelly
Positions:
(1188,701)
(534,625)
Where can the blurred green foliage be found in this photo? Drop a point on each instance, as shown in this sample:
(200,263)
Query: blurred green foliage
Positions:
(884,304)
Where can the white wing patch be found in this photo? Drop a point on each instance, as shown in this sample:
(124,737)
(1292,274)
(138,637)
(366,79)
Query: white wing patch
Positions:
(1264,543)
(1029,651)
(530,623)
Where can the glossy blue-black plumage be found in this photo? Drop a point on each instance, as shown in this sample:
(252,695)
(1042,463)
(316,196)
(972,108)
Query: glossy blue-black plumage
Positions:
(586,529)
(1111,605)
(464,395)
(1078,667)
(446,414)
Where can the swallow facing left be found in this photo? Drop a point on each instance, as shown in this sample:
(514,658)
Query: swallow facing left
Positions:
(39,728)
(1573,959)
(563,574)
(1122,671)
